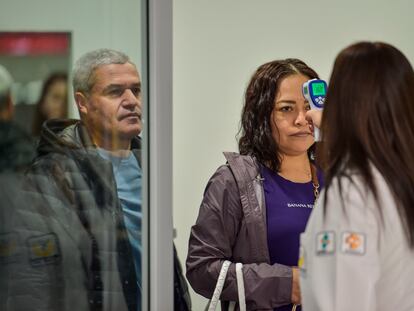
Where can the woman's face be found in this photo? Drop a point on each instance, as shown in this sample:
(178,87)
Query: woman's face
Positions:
(54,105)
(290,130)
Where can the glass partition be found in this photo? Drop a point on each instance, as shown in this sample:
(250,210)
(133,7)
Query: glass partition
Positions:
(76,229)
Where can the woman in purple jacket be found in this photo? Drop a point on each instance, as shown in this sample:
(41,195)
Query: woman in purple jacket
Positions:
(255,207)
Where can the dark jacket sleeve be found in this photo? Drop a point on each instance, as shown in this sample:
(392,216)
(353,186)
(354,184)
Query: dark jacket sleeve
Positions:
(212,241)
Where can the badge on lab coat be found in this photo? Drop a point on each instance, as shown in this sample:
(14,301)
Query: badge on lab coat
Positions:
(353,243)
(325,243)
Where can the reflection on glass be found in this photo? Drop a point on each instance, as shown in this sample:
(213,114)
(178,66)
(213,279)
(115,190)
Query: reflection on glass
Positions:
(38,62)
(70,234)
(53,101)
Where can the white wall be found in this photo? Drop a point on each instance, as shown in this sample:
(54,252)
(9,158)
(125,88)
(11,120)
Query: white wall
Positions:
(217,46)
(93,23)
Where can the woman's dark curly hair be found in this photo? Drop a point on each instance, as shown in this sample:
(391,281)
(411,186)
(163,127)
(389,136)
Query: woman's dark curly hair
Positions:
(255,134)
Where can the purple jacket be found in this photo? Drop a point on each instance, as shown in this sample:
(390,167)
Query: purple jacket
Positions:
(231,225)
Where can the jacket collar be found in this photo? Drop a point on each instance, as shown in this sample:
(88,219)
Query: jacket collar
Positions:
(61,135)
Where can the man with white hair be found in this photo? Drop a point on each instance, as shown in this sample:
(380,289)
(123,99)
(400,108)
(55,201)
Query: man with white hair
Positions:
(92,167)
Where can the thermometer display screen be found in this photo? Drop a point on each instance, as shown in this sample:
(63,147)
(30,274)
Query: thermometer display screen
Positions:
(318,89)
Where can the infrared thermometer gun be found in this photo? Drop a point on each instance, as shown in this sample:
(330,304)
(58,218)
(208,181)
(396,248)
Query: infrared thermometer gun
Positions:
(315,93)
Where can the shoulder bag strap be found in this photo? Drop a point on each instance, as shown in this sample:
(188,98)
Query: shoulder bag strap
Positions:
(219,286)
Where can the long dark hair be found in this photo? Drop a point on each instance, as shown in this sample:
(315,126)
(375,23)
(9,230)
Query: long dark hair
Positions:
(369,118)
(39,116)
(255,134)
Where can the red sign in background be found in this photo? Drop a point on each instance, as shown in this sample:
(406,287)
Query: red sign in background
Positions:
(34,43)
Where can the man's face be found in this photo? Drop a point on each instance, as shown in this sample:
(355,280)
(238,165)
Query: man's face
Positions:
(112,110)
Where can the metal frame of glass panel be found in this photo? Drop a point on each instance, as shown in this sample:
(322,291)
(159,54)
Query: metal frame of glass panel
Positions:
(157,159)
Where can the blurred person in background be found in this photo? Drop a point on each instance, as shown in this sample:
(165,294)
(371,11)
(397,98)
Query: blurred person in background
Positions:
(53,102)
(16,146)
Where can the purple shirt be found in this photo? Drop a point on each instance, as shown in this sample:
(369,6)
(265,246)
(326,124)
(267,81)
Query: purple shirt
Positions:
(288,207)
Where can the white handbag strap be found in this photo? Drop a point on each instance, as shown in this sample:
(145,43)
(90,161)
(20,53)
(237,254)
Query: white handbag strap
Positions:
(219,286)
(240,286)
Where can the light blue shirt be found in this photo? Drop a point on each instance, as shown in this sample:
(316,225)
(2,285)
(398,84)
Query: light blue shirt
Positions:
(127,174)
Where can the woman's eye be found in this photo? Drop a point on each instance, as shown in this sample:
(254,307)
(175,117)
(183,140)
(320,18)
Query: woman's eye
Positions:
(308,107)
(286,109)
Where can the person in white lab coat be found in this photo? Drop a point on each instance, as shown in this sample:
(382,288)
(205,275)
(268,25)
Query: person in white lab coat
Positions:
(357,252)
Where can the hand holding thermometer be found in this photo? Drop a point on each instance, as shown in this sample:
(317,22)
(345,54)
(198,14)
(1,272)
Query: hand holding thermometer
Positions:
(315,93)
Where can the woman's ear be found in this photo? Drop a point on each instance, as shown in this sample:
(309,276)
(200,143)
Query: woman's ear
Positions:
(82,103)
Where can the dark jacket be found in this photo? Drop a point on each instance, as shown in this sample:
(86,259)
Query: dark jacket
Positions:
(231,225)
(17,148)
(182,299)
(70,170)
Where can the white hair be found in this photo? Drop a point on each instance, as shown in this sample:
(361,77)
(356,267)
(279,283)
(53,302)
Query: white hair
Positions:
(85,66)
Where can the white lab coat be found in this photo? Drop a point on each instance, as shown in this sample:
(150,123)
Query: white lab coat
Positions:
(351,259)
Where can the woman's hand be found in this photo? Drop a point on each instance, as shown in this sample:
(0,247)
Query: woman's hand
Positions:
(295,286)
(314,117)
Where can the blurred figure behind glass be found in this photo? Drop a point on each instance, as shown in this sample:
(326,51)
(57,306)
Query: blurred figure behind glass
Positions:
(53,101)
(16,146)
